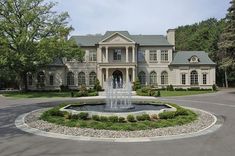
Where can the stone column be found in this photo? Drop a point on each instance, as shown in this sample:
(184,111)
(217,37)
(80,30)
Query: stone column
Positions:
(127,74)
(107,51)
(99,54)
(133,54)
(127,54)
(107,74)
(133,74)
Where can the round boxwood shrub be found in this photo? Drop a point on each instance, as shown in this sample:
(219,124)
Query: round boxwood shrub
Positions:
(113,118)
(83,116)
(143,117)
(181,111)
(96,117)
(104,118)
(131,118)
(166,115)
(154,117)
(121,119)
(73,116)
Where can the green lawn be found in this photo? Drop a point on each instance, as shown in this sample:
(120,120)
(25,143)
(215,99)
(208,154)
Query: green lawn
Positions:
(182,93)
(37,94)
(68,94)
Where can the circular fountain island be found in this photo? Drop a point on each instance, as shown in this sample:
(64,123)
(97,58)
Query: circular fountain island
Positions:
(118,101)
(117,117)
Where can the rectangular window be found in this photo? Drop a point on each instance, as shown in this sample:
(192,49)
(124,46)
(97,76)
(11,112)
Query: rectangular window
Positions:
(92,56)
(204,76)
(141,56)
(153,55)
(164,55)
(51,80)
(117,55)
(183,79)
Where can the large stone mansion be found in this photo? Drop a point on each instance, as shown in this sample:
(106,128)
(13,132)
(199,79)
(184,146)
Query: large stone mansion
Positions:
(122,56)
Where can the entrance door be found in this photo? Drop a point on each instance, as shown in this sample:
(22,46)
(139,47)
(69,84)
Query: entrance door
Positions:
(117,79)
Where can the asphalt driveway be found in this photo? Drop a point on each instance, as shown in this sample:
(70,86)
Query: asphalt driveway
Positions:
(14,142)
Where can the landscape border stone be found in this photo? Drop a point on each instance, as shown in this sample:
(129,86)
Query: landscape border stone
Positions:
(20,123)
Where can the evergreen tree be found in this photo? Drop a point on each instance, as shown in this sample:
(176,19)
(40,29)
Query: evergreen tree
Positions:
(227,43)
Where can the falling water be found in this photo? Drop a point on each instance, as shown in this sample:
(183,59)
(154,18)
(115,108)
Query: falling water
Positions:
(118,95)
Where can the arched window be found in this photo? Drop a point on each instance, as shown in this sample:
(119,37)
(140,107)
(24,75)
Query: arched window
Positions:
(194,77)
(153,78)
(164,78)
(81,78)
(142,78)
(41,78)
(70,79)
(92,78)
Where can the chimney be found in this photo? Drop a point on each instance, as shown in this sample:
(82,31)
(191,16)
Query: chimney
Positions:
(171,37)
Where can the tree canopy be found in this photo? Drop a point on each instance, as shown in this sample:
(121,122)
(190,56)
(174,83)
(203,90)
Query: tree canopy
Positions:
(33,35)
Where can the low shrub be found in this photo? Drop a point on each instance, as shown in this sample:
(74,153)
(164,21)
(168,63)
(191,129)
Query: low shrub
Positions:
(104,118)
(180,89)
(131,118)
(97,86)
(170,88)
(151,92)
(83,116)
(157,93)
(167,115)
(140,93)
(73,116)
(96,117)
(214,88)
(136,85)
(121,119)
(64,88)
(154,117)
(181,111)
(199,89)
(93,93)
(56,112)
(143,117)
(113,118)
(194,89)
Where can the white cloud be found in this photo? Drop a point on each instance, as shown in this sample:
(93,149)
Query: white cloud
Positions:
(138,16)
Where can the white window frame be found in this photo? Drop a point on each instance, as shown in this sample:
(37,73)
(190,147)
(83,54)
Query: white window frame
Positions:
(164,55)
(153,55)
(92,56)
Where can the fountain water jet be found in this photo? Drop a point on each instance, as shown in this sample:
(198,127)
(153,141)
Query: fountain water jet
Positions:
(118,96)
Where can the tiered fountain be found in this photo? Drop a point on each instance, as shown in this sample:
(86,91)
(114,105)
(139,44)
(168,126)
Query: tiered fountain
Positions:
(118,102)
(118,96)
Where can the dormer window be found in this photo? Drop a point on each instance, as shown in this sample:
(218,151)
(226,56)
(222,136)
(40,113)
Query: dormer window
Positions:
(194,59)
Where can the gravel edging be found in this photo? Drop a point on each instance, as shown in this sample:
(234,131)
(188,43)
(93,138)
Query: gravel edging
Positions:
(205,120)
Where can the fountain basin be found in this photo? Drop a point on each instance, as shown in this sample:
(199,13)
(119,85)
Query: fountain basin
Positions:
(101,110)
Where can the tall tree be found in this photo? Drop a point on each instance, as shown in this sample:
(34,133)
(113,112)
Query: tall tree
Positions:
(33,35)
(202,36)
(227,43)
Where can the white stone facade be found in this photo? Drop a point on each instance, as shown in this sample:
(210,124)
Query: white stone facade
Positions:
(116,55)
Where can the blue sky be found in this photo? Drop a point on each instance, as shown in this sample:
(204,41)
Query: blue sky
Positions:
(138,16)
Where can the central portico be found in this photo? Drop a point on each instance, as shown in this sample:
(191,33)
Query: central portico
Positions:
(116,57)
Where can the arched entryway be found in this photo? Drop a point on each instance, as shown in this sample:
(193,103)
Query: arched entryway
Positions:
(117,79)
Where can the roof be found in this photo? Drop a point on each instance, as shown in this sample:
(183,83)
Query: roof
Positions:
(150,40)
(57,62)
(182,58)
(142,40)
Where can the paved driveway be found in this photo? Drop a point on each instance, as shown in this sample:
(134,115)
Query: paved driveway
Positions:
(14,142)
